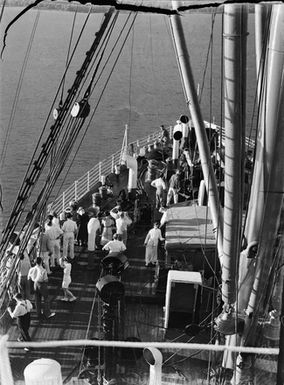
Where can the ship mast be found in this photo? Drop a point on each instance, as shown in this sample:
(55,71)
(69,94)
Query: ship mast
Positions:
(202,141)
(235,34)
(268,178)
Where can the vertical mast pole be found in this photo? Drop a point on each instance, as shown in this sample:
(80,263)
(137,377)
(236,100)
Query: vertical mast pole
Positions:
(235,34)
(269,166)
(202,141)
(272,131)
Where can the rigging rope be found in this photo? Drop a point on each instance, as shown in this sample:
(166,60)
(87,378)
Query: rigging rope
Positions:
(30,6)
(130,78)
(2,10)
(68,55)
(261,79)
(18,90)
(152,69)
(48,145)
(101,94)
(41,202)
(35,169)
(210,48)
(32,163)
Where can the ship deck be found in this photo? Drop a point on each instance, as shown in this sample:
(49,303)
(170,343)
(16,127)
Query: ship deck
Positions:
(79,319)
(143,310)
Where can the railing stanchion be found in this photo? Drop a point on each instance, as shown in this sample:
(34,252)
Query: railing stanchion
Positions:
(76,190)
(94,175)
(112,163)
(100,170)
(63,200)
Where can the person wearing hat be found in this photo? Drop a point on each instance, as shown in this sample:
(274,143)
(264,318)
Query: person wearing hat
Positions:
(83,219)
(115,246)
(122,221)
(94,227)
(151,243)
(22,313)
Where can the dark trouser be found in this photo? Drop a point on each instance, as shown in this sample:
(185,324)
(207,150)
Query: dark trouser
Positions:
(42,292)
(23,325)
(24,287)
(160,199)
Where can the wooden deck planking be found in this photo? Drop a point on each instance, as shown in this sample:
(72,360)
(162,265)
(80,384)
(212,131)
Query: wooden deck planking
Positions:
(73,319)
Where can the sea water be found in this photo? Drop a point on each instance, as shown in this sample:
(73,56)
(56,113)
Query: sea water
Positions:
(144,90)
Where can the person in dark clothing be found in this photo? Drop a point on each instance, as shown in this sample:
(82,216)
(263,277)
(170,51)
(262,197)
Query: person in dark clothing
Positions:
(174,188)
(38,275)
(22,313)
(83,219)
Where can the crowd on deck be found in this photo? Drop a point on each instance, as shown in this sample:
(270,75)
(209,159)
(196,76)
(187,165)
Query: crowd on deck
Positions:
(51,245)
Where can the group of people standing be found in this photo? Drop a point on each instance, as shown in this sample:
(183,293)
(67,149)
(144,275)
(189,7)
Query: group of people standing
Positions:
(112,226)
(171,182)
(167,191)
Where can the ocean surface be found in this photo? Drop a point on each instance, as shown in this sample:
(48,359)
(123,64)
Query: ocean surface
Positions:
(144,90)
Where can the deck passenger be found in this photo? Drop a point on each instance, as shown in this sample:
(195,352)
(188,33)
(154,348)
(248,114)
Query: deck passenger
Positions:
(122,222)
(45,250)
(67,267)
(108,226)
(151,242)
(174,188)
(164,136)
(161,188)
(23,271)
(82,236)
(32,243)
(38,275)
(69,233)
(55,219)
(23,315)
(115,246)
(55,233)
(184,139)
(94,227)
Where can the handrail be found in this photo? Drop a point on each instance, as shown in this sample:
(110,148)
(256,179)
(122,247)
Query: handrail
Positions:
(87,181)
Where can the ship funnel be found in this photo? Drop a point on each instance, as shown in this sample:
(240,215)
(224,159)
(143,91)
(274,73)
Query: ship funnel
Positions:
(154,358)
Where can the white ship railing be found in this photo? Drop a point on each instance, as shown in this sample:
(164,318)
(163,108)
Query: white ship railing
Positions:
(83,185)
(87,181)
(5,367)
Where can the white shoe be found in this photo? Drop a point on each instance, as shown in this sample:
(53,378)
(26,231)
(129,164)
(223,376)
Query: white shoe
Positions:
(72,299)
